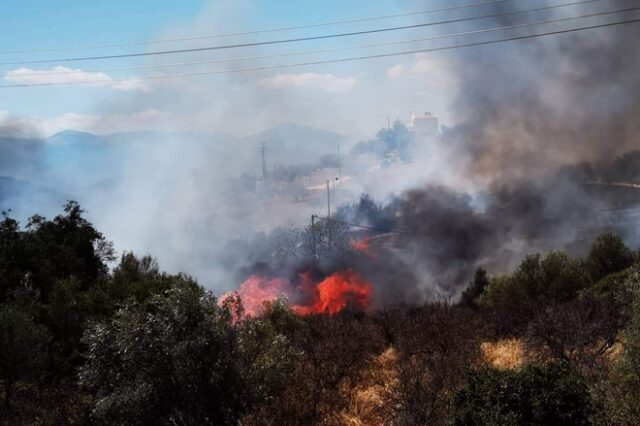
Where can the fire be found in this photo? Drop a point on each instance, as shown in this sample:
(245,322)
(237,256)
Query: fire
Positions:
(361,246)
(365,246)
(331,295)
(256,291)
(338,291)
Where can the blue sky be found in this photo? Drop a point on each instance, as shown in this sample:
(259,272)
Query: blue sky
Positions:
(344,97)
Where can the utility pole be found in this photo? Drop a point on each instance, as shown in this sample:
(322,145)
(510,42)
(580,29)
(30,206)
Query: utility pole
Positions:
(264,162)
(339,166)
(313,234)
(328,201)
(328,215)
(388,122)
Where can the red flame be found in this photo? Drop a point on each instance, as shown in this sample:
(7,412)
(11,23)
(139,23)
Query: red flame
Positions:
(361,245)
(256,291)
(331,295)
(338,291)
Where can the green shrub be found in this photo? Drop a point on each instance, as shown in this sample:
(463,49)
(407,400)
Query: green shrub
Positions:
(608,254)
(182,359)
(623,393)
(535,395)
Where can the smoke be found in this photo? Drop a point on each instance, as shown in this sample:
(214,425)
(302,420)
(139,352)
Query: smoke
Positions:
(21,167)
(494,190)
(484,192)
(429,241)
(525,108)
(20,147)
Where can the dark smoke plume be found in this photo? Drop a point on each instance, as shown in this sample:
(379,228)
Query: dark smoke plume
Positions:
(527,107)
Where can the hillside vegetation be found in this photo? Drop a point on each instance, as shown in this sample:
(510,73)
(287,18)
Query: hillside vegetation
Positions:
(554,342)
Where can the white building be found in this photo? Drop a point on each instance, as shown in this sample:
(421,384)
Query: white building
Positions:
(424,126)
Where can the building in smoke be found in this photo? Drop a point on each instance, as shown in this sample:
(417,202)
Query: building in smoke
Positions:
(423,126)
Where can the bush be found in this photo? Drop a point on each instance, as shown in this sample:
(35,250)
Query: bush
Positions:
(554,277)
(475,289)
(579,333)
(538,281)
(182,359)
(536,395)
(436,344)
(623,397)
(21,349)
(608,254)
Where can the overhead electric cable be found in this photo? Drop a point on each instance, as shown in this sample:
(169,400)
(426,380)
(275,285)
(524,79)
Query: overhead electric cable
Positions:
(371,228)
(330,61)
(298,39)
(261,31)
(336,49)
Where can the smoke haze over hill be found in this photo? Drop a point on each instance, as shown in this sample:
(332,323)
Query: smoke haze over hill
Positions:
(483,192)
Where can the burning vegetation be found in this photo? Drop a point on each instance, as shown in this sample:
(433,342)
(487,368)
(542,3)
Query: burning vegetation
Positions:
(315,346)
(501,289)
(332,294)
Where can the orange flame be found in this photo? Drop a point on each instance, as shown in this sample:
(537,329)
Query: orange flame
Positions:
(333,294)
(360,245)
(337,292)
(256,291)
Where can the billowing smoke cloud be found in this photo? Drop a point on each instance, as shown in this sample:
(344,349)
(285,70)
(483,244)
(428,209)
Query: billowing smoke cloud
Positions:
(525,108)
(427,242)
(484,193)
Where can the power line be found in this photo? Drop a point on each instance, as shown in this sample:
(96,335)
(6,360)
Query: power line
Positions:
(336,49)
(330,61)
(298,39)
(371,228)
(261,31)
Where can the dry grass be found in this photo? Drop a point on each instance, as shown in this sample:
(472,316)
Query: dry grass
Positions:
(504,354)
(614,352)
(371,400)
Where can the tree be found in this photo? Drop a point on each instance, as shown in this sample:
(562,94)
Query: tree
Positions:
(327,241)
(555,277)
(471,294)
(396,139)
(66,315)
(140,278)
(579,333)
(388,143)
(535,395)
(623,390)
(181,359)
(167,365)
(270,359)
(625,168)
(21,348)
(436,342)
(608,254)
(67,245)
(13,257)
(366,211)
(538,281)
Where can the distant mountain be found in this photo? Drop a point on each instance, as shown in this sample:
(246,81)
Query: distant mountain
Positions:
(68,137)
(21,195)
(100,157)
(89,165)
(291,143)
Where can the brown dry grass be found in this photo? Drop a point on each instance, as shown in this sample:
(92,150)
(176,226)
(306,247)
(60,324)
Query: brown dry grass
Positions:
(614,352)
(504,354)
(371,400)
